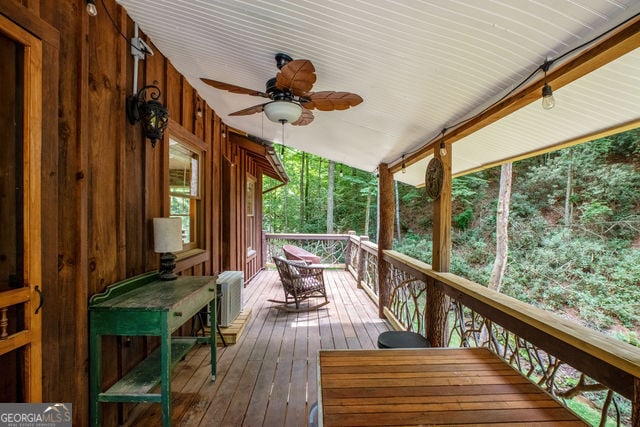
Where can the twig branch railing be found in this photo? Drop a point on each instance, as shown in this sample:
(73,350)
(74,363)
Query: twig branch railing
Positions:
(332,248)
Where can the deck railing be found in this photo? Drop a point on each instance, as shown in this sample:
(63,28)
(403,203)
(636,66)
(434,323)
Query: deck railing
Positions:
(332,248)
(580,367)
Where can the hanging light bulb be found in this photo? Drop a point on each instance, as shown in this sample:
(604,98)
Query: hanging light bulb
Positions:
(443,146)
(548,102)
(404,167)
(91,8)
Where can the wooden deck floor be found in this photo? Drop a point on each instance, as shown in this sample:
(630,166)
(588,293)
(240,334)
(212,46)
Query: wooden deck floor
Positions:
(268,378)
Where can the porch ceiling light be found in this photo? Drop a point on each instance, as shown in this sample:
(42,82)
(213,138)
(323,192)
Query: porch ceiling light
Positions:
(153,115)
(548,102)
(283,111)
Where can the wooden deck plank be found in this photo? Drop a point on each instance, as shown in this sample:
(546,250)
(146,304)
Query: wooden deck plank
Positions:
(277,407)
(257,407)
(228,384)
(238,406)
(297,405)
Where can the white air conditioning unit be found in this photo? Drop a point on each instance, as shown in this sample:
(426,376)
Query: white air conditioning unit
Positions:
(231,283)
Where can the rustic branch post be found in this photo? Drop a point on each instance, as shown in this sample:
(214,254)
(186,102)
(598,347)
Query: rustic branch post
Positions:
(347,255)
(361,260)
(437,302)
(386,218)
(265,252)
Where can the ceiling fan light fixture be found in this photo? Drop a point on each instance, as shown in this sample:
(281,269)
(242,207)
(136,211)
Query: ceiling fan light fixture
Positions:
(283,111)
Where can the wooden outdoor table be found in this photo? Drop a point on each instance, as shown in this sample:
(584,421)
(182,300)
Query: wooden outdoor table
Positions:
(436,386)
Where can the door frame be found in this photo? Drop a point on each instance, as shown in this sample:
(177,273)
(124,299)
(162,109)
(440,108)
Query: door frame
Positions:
(30,338)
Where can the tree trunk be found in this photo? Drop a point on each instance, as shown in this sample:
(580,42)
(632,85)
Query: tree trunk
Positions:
(502,224)
(306,190)
(301,191)
(285,192)
(367,213)
(568,206)
(330,186)
(397,213)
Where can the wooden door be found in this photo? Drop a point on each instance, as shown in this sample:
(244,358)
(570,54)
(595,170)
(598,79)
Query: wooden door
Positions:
(20,231)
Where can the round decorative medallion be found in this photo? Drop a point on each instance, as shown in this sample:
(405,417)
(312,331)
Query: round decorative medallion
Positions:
(433,178)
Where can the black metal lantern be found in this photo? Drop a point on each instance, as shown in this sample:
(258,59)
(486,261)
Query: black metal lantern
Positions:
(153,115)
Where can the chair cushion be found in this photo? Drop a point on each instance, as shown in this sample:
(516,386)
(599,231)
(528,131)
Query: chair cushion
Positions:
(402,339)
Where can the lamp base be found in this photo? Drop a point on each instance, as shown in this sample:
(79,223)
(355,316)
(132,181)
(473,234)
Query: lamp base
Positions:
(167,265)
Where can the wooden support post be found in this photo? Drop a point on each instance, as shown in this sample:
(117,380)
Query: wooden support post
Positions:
(437,302)
(361,260)
(386,212)
(264,251)
(347,254)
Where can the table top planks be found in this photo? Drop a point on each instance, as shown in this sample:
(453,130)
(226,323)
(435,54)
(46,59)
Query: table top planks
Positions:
(437,386)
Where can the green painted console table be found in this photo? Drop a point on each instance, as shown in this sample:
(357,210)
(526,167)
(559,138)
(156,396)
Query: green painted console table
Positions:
(145,305)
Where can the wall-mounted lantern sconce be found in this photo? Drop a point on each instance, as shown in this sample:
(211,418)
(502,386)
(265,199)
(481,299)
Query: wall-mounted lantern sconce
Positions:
(199,112)
(153,115)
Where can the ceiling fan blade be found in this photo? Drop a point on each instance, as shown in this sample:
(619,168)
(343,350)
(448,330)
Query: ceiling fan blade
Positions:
(233,88)
(297,76)
(251,110)
(305,118)
(329,100)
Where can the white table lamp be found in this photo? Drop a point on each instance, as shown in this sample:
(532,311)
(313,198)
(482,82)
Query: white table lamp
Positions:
(167,239)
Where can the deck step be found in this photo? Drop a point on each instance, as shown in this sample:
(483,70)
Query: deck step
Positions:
(137,383)
(233,332)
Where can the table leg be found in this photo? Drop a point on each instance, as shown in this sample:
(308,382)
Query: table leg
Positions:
(165,374)
(212,331)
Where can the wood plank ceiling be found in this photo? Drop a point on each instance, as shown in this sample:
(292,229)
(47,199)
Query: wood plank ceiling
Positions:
(420,65)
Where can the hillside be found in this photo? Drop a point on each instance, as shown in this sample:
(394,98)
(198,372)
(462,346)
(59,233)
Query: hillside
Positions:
(574,232)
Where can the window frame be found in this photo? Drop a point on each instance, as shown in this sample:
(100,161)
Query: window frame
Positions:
(250,213)
(195,145)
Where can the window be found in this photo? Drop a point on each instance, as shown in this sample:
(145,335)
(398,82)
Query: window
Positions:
(184,189)
(251,215)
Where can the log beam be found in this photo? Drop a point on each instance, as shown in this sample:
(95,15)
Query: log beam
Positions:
(386,216)
(437,301)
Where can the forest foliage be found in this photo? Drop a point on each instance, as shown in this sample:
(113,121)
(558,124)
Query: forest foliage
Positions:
(574,226)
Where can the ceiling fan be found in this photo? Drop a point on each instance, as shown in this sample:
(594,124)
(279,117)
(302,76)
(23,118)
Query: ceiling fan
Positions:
(289,93)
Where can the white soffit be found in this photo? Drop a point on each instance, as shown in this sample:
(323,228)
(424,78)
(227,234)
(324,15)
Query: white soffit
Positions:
(419,65)
(606,98)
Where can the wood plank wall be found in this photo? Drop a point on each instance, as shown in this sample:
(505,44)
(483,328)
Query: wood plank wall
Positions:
(102,183)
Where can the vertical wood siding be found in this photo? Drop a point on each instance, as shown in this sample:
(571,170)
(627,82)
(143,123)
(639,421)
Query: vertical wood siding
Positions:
(102,183)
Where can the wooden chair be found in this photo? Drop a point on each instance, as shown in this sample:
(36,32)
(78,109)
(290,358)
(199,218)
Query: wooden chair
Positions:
(300,282)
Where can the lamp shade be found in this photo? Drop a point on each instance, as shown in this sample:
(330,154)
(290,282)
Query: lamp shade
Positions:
(167,235)
(283,111)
